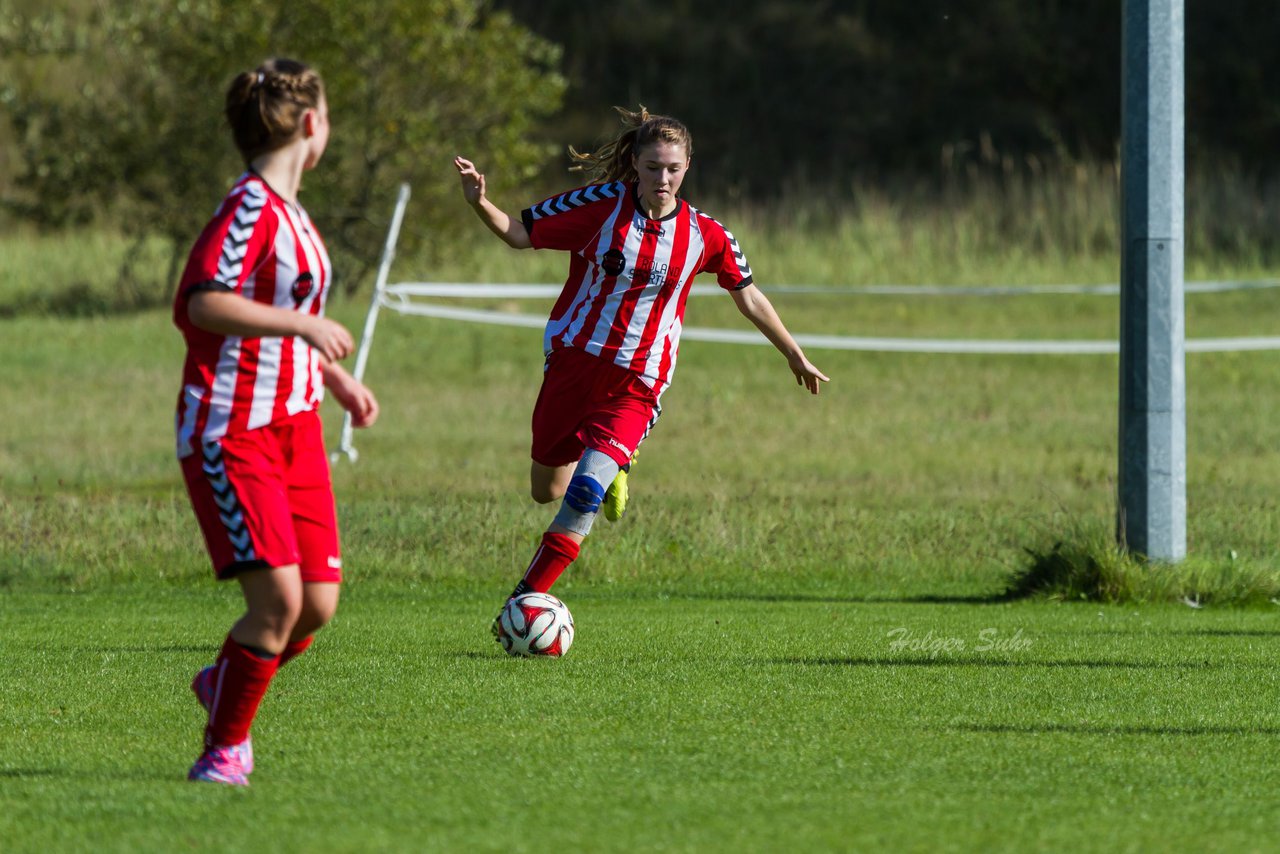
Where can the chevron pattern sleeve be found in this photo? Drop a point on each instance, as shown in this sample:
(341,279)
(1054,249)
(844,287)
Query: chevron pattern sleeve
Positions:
(723,256)
(233,244)
(570,220)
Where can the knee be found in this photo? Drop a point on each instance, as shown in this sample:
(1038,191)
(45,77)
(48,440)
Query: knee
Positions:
(545,494)
(312,619)
(277,618)
(584,494)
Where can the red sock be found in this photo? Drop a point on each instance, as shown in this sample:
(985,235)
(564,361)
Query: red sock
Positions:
(294,649)
(553,556)
(240,679)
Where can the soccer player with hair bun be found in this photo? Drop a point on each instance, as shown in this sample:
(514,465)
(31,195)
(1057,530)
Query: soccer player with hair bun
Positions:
(260,354)
(611,342)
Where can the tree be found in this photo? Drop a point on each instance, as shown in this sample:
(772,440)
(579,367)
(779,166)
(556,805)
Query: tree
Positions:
(409,83)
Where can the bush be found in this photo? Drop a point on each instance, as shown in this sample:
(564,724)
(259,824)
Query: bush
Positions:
(409,82)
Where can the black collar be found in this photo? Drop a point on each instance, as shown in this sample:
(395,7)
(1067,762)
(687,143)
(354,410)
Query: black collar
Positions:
(635,198)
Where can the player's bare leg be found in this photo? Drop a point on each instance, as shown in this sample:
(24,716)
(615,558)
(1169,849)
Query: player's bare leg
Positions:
(234,687)
(319,602)
(549,483)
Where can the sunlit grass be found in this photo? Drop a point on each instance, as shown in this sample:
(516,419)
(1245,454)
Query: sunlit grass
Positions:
(798,637)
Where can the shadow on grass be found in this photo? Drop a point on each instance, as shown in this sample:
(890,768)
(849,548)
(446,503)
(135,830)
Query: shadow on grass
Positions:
(1112,729)
(1229,633)
(172,649)
(477,655)
(978,661)
(91,776)
(24,773)
(924,599)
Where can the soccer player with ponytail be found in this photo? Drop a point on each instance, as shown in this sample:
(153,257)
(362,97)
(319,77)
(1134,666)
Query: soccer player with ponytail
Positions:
(611,342)
(260,354)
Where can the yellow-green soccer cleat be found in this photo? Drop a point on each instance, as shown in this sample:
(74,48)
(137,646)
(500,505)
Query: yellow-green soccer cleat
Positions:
(615,497)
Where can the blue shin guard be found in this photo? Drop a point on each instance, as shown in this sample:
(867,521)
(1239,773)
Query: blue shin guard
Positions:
(586,490)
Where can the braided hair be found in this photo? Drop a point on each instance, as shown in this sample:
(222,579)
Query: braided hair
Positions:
(264,107)
(614,161)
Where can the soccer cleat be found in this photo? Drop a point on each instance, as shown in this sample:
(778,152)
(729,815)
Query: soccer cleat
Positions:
(202,685)
(219,765)
(495,628)
(615,497)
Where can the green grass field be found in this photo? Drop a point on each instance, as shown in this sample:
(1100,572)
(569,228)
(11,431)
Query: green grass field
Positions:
(678,722)
(795,640)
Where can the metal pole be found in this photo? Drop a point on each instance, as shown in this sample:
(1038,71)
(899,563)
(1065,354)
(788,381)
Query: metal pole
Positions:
(1152,511)
(371,318)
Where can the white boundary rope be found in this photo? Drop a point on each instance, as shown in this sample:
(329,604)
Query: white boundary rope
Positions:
(1007,290)
(467,290)
(398,297)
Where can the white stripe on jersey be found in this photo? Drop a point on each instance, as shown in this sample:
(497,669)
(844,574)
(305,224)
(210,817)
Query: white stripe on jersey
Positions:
(677,326)
(267,374)
(224,389)
(190,410)
(648,299)
(669,324)
(581,305)
(630,250)
(645,300)
(587,288)
(305,362)
(265,380)
(287,248)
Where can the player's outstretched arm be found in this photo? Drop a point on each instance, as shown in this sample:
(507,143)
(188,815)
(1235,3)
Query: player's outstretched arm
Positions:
(507,227)
(755,306)
(351,394)
(227,313)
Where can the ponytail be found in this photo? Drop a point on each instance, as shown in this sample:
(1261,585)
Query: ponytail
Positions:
(615,161)
(264,107)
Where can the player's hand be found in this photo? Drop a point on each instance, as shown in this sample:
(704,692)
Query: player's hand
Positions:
(357,399)
(329,337)
(806,374)
(352,395)
(472,180)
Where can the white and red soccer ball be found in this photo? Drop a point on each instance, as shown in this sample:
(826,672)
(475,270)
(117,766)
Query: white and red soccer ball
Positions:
(535,624)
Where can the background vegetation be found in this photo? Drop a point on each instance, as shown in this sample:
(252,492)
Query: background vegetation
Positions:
(938,127)
(115,111)
(822,91)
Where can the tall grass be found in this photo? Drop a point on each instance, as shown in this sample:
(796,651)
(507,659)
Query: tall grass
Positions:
(1008,224)
(1088,563)
(997,222)
(81,273)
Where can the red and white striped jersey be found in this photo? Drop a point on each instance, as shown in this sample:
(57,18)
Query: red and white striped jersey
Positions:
(265,249)
(629,276)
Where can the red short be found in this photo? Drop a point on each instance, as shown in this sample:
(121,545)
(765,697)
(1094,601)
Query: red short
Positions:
(587,402)
(264,499)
